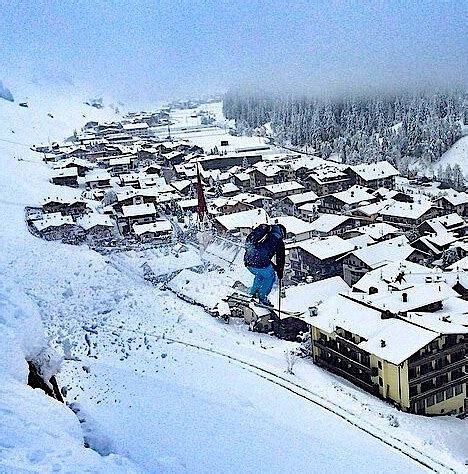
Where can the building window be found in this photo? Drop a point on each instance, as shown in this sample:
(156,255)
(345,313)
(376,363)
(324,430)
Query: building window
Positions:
(379,363)
(380,381)
(458,389)
(430,401)
(440,396)
(449,393)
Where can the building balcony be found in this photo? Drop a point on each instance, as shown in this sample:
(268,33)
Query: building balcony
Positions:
(434,373)
(437,353)
(336,352)
(434,390)
(366,385)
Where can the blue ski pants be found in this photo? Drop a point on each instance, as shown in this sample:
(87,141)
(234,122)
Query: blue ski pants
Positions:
(263,281)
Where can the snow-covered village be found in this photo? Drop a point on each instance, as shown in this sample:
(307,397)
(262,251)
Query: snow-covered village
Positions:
(141,330)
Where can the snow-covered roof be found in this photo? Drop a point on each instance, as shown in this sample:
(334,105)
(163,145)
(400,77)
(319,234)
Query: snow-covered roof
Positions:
(327,222)
(249,197)
(181,184)
(294,225)
(299,298)
(97,175)
(441,322)
(301,198)
(354,195)
(407,210)
(387,274)
(455,198)
(374,208)
(283,187)
(88,221)
(308,207)
(185,203)
(417,296)
(135,210)
(160,225)
(341,312)
(372,171)
(267,169)
(120,160)
(332,246)
(74,161)
(242,176)
(448,221)
(377,230)
(54,219)
(65,172)
(229,188)
(380,253)
(244,219)
(136,126)
(325,173)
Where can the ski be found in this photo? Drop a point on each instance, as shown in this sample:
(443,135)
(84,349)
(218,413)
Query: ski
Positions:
(245,299)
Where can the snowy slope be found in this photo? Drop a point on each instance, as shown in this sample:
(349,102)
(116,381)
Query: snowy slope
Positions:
(457,155)
(158,382)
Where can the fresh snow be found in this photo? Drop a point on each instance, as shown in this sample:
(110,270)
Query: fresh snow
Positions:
(158,384)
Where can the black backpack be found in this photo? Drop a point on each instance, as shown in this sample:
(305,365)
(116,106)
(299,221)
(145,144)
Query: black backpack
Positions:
(259,234)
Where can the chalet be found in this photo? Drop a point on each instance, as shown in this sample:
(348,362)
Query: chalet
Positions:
(434,244)
(66,207)
(264,175)
(408,215)
(453,201)
(188,205)
(54,226)
(385,193)
(137,214)
(359,262)
(345,201)
(317,258)
(66,177)
(281,190)
(140,129)
(153,169)
(97,226)
(82,166)
(332,224)
(327,179)
(377,231)
(130,179)
(422,373)
(296,229)
(173,158)
(229,189)
(371,212)
(98,179)
(183,186)
(373,175)
(308,211)
(452,223)
(120,165)
(291,203)
(240,222)
(160,229)
(242,180)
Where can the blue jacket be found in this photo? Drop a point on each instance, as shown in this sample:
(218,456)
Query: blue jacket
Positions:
(262,244)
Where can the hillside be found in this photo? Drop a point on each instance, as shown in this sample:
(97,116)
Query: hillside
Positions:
(158,384)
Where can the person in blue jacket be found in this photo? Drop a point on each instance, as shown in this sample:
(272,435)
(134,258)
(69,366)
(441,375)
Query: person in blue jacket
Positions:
(261,245)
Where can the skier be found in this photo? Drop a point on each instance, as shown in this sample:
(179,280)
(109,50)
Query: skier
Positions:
(264,242)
